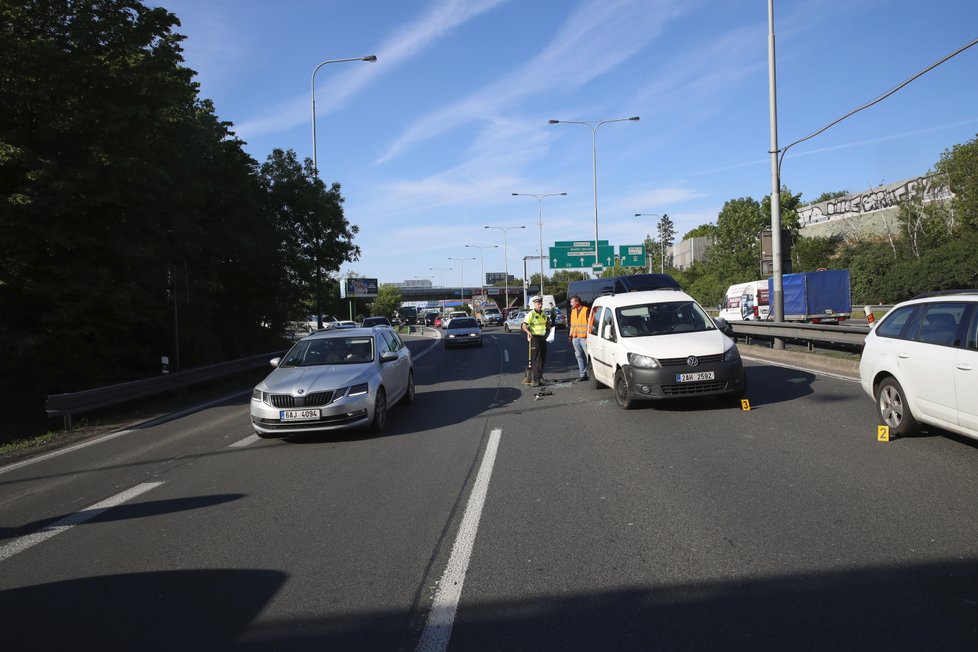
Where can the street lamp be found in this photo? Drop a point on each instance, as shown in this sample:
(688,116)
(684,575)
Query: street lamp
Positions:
(660,242)
(315,166)
(461,277)
(482,263)
(372,57)
(505,254)
(441,283)
(593,126)
(539,199)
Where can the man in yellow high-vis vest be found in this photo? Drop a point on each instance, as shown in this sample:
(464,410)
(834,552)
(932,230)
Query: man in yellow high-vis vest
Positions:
(577,335)
(535,326)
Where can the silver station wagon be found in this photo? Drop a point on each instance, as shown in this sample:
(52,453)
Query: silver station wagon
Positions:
(333,379)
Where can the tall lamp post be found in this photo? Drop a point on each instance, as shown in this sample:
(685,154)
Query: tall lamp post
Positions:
(461,277)
(442,275)
(315,166)
(663,264)
(539,199)
(593,126)
(482,263)
(505,254)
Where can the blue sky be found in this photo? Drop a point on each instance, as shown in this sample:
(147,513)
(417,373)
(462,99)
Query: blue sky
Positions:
(430,142)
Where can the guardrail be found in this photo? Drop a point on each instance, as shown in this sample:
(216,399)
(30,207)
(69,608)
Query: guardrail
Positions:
(849,335)
(68,405)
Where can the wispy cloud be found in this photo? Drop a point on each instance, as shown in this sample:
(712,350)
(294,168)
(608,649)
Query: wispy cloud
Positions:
(598,36)
(339,88)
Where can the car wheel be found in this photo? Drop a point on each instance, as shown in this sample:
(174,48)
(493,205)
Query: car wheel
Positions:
(380,412)
(622,396)
(505,328)
(408,398)
(892,408)
(595,383)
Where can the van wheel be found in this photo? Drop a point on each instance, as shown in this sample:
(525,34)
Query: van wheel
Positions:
(622,396)
(595,383)
(892,408)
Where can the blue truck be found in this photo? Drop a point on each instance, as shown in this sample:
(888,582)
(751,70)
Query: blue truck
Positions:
(822,297)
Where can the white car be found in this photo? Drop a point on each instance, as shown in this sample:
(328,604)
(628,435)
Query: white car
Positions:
(660,344)
(452,315)
(515,321)
(332,379)
(920,364)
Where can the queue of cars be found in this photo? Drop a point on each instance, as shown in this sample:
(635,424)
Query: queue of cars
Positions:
(648,341)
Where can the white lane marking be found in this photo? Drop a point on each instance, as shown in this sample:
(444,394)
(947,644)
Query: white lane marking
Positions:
(128,431)
(505,355)
(438,628)
(245,442)
(816,372)
(23,543)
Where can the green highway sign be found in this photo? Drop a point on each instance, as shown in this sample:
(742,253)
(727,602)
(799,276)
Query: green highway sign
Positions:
(580,257)
(631,255)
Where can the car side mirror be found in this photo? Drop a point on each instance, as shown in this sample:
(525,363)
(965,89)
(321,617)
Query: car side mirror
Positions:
(275,361)
(388,356)
(724,326)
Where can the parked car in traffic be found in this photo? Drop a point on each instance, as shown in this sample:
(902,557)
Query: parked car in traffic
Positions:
(514,321)
(463,331)
(376,321)
(452,315)
(660,344)
(920,364)
(430,317)
(333,379)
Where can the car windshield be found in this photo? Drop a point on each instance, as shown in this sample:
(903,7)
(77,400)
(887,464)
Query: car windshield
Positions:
(333,350)
(662,319)
(463,322)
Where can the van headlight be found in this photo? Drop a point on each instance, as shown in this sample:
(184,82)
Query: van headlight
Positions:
(642,361)
(731,354)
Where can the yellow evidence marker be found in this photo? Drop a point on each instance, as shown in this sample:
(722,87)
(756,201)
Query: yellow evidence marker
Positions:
(882,433)
(745,404)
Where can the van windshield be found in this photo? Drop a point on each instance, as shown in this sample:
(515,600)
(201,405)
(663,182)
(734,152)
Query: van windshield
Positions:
(662,319)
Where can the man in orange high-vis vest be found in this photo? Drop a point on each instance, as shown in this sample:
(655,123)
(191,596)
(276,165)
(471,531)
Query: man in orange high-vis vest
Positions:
(577,335)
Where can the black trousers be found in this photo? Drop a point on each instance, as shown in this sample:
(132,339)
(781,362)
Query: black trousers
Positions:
(538,355)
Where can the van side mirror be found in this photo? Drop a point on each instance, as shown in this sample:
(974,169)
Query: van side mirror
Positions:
(724,326)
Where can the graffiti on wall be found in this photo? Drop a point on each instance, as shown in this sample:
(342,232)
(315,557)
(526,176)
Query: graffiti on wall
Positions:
(874,200)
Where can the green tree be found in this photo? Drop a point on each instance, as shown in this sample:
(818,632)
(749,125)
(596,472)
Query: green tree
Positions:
(313,234)
(736,252)
(959,166)
(828,196)
(389,299)
(702,231)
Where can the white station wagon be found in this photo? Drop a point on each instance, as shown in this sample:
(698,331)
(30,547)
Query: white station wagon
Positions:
(660,344)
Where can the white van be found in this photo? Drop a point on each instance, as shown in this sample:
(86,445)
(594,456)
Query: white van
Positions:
(746,301)
(658,345)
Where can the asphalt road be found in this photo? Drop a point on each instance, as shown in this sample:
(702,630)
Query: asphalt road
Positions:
(486,517)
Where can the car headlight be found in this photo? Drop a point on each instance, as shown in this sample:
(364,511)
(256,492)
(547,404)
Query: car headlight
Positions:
(257,395)
(643,361)
(358,390)
(731,354)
